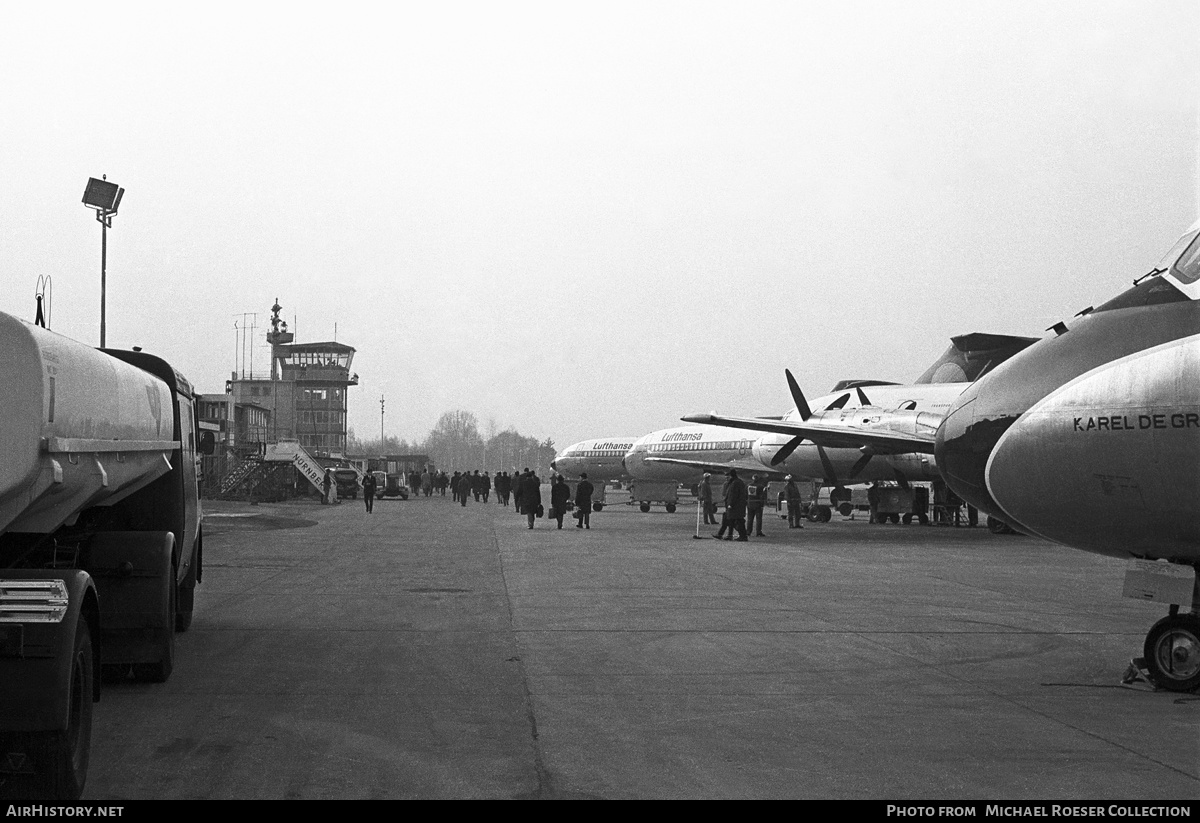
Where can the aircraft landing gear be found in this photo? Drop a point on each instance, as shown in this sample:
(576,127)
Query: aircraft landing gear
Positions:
(1172,652)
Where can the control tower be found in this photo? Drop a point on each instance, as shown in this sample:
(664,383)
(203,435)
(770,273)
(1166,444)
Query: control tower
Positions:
(305,391)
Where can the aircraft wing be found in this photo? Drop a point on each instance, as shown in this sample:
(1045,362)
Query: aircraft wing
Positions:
(745,467)
(881,440)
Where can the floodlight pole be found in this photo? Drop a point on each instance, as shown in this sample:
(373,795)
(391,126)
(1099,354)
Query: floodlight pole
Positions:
(104,197)
(105,221)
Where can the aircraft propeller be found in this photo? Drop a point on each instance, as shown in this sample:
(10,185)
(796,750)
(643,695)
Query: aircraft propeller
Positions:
(861,463)
(805,412)
(802,409)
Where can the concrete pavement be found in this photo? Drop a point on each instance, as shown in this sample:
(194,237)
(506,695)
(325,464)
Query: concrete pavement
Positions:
(431,650)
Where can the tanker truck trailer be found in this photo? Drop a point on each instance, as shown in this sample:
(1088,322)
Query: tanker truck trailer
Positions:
(100,541)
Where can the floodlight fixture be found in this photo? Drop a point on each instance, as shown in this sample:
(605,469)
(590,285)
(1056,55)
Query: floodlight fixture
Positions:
(104,197)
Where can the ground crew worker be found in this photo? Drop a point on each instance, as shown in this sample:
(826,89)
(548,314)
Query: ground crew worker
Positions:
(706,500)
(755,503)
(792,495)
(873,495)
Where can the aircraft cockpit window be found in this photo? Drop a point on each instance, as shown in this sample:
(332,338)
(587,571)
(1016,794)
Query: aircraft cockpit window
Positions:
(1148,292)
(1173,280)
(1187,267)
(1176,250)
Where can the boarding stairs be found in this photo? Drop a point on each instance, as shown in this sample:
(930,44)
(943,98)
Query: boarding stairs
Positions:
(248,480)
(237,477)
(290,451)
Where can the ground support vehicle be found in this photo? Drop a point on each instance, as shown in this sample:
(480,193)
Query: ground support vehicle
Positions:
(394,487)
(348,483)
(845,501)
(645,492)
(100,542)
(898,504)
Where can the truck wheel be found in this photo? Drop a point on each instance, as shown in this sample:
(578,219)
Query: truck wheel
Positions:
(596,507)
(645,507)
(185,595)
(845,509)
(64,755)
(183,617)
(670,508)
(160,670)
(824,514)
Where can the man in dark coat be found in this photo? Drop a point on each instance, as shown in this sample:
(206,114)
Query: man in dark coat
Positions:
(735,506)
(369,487)
(531,495)
(517,477)
(560,495)
(583,502)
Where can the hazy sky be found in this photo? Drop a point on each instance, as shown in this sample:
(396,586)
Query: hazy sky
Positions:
(587,219)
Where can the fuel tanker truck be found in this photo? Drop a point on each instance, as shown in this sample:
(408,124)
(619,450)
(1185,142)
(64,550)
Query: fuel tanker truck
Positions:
(100,541)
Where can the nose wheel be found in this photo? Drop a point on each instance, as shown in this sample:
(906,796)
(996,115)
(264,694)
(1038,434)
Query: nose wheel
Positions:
(1172,652)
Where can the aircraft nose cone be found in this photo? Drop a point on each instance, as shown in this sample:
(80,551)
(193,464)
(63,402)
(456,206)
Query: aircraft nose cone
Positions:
(969,434)
(1108,461)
